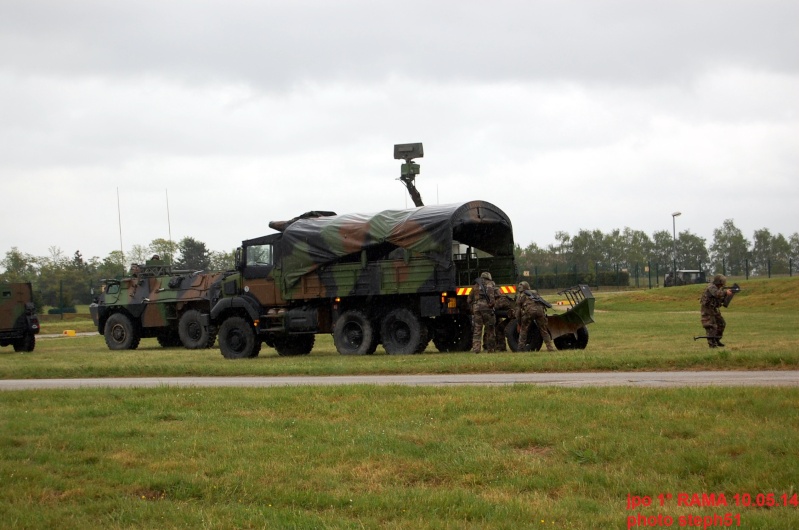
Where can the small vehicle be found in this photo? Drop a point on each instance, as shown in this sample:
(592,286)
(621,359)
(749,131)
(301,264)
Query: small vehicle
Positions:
(685,277)
(19,323)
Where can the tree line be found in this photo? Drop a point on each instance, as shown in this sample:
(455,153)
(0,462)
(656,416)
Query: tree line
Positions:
(60,280)
(729,253)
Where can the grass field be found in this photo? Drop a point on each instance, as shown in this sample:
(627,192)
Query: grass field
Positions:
(396,457)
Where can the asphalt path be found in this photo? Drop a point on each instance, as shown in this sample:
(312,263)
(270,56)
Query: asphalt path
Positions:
(587,379)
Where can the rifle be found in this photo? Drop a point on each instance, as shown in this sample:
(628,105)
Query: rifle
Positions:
(705,337)
(728,297)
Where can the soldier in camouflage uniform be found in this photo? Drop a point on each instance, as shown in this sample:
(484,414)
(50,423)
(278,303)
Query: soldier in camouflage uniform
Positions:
(481,300)
(503,314)
(530,307)
(709,304)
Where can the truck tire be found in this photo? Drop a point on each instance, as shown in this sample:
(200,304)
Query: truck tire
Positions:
(295,345)
(193,334)
(120,333)
(403,333)
(573,341)
(26,343)
(237,339)
(354,334)
(534,338)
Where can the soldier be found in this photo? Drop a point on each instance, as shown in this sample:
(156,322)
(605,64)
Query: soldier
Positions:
(709,304)
(481,300)
(502,313)
(530,307)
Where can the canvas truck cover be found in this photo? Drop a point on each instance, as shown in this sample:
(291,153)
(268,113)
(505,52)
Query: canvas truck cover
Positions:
(307,244)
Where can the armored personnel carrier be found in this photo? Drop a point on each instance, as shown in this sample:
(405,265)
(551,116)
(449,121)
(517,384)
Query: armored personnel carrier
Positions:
(156,301)
(19,323)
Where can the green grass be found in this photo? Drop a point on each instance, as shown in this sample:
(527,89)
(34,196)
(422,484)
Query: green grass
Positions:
(411,457)
(390,457)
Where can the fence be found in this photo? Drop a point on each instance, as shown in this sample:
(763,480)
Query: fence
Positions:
(639,276)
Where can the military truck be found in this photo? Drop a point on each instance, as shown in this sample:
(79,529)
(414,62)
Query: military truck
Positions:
(396,277)
(156,301)
(19,323)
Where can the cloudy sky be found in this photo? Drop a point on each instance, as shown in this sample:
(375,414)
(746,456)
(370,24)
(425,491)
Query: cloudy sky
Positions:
(567,114)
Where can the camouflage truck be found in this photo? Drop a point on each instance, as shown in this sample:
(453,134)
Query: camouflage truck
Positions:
(397,278)
(19,323)
(156,301)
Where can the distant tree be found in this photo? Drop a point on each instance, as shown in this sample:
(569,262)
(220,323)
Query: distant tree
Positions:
(138,254)
(770,253)
(18,266)
(691,251)
(164,248)
(662,250)
(222,261)
(794,243)
(637,247)
(112,266)
(730,249)
(193,255)
(588,248)
(562,251)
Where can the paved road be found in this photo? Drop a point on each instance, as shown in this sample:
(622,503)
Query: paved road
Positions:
(639,379)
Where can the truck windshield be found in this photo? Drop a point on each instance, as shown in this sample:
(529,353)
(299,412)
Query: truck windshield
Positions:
(259,255)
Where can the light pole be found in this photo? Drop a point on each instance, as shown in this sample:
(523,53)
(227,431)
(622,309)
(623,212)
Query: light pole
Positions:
(674,253)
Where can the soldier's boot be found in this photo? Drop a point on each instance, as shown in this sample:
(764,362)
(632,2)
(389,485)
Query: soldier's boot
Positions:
(711,342)
(551,346)
(718,341)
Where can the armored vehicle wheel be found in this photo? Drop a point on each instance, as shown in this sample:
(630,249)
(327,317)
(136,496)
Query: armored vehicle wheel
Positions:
(402,332)
(455,336)
(120,333)
(354,334)
(193,334)
(168,339)
(26,343)
(534,339)
(237,339)
(573,341)
(295,345)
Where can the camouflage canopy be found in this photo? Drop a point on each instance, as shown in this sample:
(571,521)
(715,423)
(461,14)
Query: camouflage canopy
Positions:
(428,230)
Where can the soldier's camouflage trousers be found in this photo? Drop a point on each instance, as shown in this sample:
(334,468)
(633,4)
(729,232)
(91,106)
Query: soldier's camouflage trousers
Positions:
(483,318)
(714,325)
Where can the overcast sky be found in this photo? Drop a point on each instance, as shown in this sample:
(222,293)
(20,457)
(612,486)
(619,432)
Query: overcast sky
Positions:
(568,115)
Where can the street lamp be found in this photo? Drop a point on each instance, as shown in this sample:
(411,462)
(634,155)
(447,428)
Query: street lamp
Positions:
(674,255)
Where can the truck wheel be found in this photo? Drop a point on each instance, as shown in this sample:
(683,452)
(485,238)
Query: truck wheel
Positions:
(534,338)
(354,334)
(26,343)
(455,336)
(402,332)
(237,339)
(573,341)
(295,345)
(120,333)
(193,334)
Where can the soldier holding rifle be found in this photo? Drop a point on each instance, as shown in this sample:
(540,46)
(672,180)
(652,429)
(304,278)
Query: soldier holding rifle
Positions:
(716,294)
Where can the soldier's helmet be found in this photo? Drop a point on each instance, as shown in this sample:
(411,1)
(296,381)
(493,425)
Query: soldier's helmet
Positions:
(524,286)
(486,275)
(719,279)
